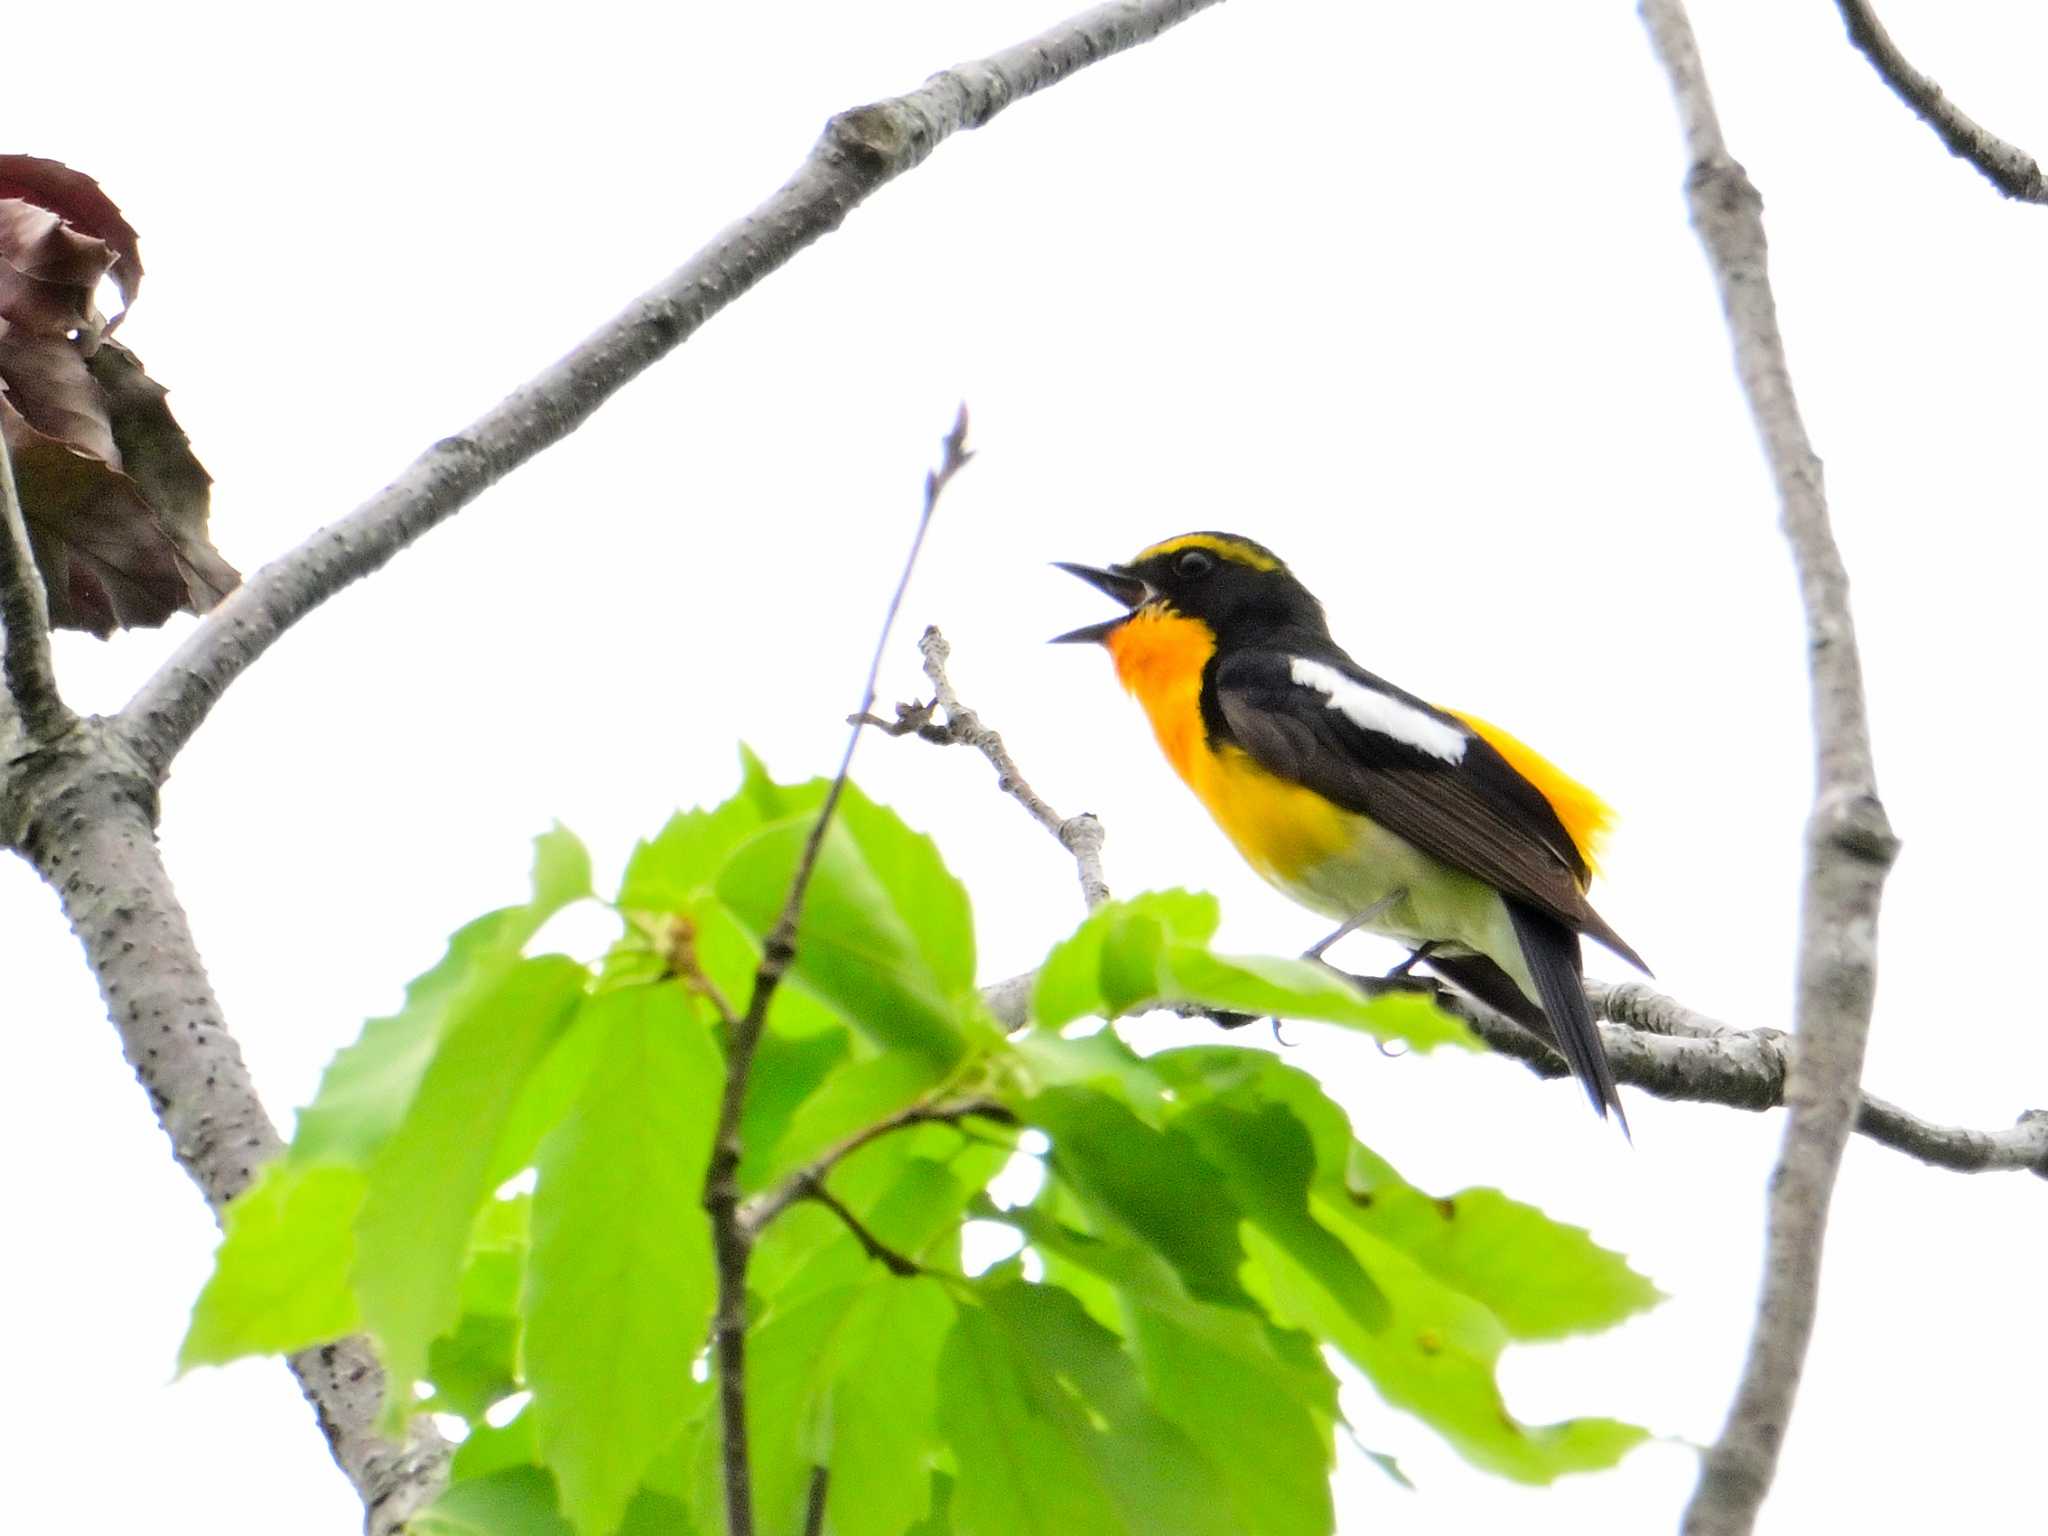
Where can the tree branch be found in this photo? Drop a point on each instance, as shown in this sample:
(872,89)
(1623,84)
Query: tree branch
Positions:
(2006,166)
(25,615)
(897,1265)
(732,1240)
(860,151)
(1660,1046)
(765,1207)
(85,819)
(1849,843)
(1080,835)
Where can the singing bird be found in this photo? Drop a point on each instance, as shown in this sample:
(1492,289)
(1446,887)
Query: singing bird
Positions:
(1357,799)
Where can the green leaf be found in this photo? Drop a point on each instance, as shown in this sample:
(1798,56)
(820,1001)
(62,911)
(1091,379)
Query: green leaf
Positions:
(1268,1160)
(1152,951)
(280,1276)
(1155,1183)
(1435,1358)
(1541,1278)
(885,938)
(851,1099)
(680,865)
(426,1185)
(561,870)
(884,1410)
(518,1501)
(1070,983)
(787,1071)
(1048,1421)
(619,1287)
(1259,1403)
(366,1088)
(492,1448)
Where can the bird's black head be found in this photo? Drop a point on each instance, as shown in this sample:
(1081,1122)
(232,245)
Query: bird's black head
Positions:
(1238,588)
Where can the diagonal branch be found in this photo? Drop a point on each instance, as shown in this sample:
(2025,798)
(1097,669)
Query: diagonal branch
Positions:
(25,615)
(2006,166)
(1849,843)
(732,1238)
(1080,835)
(860,151)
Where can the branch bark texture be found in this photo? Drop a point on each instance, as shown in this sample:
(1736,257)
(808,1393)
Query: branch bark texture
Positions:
(2006,166)
(861,151)
(1849,843)
(25,616)
(86,820)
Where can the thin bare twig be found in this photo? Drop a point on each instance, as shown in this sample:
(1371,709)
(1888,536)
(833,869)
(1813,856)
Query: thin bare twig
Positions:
(2006,166)
(25,614)
(897,1265)
(1079,835)
(1849,842)
(765,1207)
(732,1242)
(860,151)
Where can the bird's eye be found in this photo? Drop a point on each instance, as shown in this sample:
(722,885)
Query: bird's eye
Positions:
(1193,563)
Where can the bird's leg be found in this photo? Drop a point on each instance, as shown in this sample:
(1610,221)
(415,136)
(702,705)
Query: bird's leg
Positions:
(1420,952)
(1355,922)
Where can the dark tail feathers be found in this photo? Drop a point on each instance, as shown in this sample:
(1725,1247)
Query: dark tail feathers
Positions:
(1551,952)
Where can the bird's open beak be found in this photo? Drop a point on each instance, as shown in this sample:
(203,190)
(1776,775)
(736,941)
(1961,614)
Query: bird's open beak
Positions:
(1119,584)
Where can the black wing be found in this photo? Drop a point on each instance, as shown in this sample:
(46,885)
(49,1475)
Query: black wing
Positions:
(1477,814)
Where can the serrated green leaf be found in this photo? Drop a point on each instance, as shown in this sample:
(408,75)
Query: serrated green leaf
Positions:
(1152,951)
(1052,1433)
(1260,1404)
(1541,1278)
(280,1276)
(427,1183)
(517,1501)
(680,865)
(1156,1184)
(366,1088)
(1268,1160)
(619,1287)
(1435,1358)
(885,938)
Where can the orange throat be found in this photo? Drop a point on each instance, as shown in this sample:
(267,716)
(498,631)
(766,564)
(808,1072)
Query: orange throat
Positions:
(1159,657)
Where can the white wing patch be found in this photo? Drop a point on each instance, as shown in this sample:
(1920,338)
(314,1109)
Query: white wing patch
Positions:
(1373,711)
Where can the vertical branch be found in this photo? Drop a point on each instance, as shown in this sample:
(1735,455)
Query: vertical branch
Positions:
(732,1240)
(1849,843)
(25,613)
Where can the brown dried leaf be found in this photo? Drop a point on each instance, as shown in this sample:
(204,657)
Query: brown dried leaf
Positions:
(115,502)
(77,199)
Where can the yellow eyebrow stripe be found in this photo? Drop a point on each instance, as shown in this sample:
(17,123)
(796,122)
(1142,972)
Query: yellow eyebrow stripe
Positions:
(1229,549)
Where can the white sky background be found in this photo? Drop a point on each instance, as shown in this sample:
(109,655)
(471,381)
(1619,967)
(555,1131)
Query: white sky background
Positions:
(1406,292)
